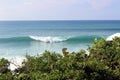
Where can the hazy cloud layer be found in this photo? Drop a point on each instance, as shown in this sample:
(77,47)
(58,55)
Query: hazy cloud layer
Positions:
(98,4)
(52,9)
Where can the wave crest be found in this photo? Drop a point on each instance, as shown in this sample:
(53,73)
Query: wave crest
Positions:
(110,38)
(48,39)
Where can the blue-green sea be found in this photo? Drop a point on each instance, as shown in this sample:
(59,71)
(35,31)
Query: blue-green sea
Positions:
(18,38)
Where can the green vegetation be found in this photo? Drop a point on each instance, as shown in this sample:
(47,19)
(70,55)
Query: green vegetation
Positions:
(102,63)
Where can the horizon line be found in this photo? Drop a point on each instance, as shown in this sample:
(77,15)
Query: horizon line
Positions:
(66,20)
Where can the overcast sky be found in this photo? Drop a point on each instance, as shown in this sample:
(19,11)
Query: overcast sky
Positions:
(59,9)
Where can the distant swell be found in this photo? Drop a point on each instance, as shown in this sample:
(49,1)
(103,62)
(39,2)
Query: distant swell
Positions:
(15,39)
(50,39)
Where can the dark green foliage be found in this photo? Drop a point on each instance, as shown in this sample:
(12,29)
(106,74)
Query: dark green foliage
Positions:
(6,76)
(106,53)
(4,65)
(23,76)
(5,73)
(102,63)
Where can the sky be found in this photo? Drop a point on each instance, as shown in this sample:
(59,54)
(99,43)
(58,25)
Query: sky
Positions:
(59,9)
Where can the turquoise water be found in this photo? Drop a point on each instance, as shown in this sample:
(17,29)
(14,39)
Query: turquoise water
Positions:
(33,37)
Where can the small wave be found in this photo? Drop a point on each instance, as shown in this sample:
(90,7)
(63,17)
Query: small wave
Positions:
(48,39)
(113,36)
(83,39)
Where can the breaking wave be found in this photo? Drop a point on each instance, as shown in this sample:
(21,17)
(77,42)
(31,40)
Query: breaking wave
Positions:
(50,39)
(113,36)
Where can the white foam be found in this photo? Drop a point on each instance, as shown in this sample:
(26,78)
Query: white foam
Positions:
(48,39)
(110,38)
(15,62)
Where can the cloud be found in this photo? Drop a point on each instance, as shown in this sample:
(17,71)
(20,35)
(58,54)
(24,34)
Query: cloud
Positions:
(48,4)
(44,9)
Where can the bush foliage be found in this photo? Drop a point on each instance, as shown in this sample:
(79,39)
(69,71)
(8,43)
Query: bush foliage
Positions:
(102,63)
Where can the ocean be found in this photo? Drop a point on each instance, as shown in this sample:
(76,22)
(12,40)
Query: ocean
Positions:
(18,38)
